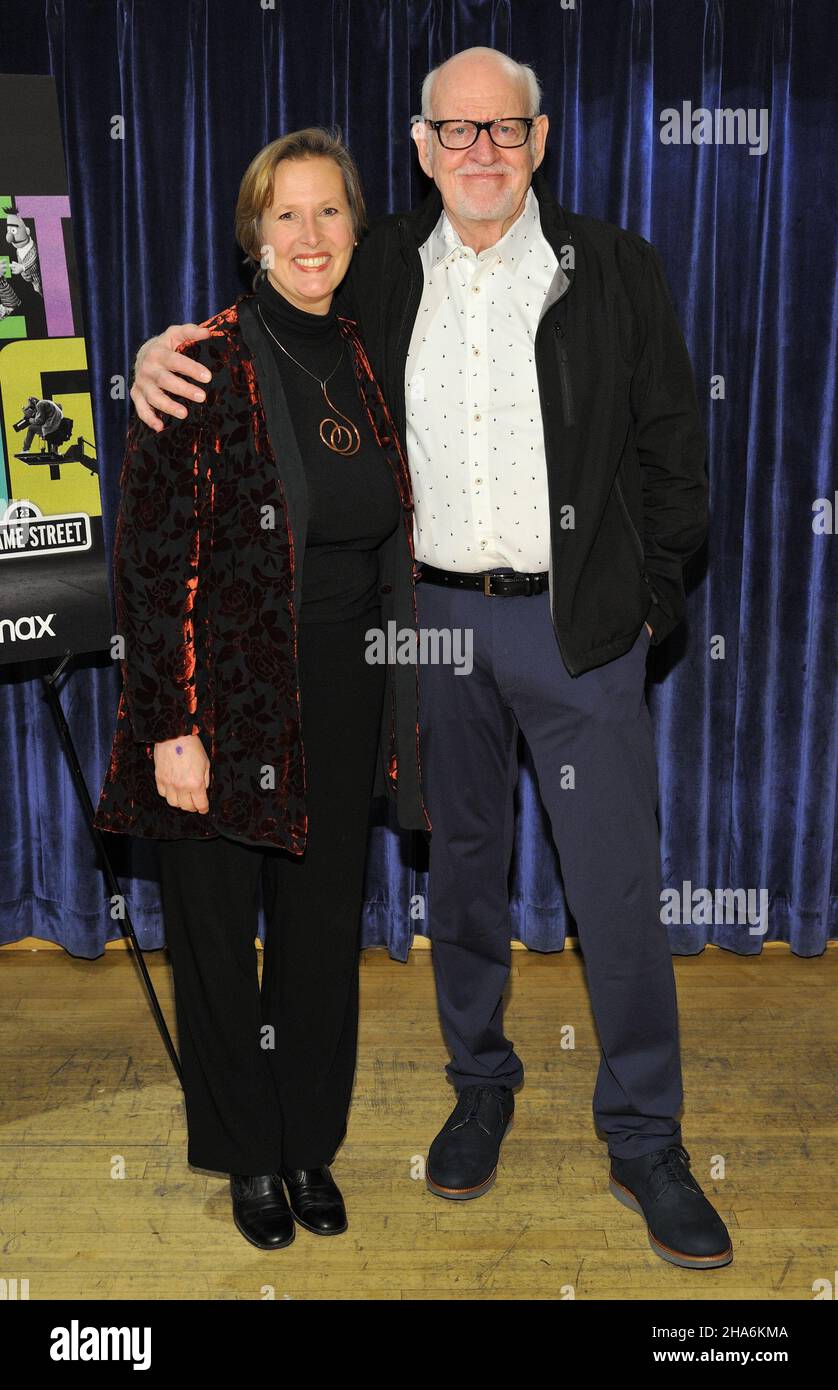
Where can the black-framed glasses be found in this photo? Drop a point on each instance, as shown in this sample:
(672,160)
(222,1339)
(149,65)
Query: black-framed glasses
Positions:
(507,132)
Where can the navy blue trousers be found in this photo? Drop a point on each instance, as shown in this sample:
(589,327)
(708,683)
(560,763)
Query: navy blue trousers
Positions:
(590,737)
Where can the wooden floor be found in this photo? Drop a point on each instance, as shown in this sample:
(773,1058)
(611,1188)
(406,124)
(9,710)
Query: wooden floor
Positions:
(85,1082)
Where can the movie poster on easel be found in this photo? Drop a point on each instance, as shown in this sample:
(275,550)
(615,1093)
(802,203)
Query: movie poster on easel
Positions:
(54,593)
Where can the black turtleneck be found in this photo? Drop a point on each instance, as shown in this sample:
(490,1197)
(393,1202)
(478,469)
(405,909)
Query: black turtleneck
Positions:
(353,500)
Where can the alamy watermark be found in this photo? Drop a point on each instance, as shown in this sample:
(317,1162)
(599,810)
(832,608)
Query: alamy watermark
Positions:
(722,126)
(715,907)
(435,646)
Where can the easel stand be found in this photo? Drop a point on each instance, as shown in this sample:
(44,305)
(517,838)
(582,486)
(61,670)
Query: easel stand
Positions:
(113,884)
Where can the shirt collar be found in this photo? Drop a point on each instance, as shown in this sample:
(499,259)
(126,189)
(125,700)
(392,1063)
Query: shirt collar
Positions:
(445,241)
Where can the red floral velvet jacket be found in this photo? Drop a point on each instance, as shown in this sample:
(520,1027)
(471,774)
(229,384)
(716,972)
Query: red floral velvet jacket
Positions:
(207,590)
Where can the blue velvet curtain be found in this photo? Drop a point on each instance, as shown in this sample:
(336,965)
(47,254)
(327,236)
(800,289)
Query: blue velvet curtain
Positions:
(742,695)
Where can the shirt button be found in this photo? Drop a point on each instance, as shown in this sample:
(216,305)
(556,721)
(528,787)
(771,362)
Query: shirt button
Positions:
(476,289)
(478,481)
(476,351)
(477,417)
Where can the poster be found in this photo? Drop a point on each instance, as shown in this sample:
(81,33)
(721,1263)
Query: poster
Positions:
(54,594)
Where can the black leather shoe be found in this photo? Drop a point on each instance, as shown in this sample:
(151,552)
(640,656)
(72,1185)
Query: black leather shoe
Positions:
(463,1159)
(261,1210)
(683,1227)
(315,1200)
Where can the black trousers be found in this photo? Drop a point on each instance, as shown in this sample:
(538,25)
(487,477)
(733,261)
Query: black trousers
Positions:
(268,1074)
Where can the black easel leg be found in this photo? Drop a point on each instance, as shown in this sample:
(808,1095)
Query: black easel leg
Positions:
(113,883)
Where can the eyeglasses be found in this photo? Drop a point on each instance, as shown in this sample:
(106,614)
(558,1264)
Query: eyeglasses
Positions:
(507,132)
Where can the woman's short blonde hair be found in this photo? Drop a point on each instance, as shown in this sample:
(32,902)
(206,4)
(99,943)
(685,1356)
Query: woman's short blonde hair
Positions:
(257,186)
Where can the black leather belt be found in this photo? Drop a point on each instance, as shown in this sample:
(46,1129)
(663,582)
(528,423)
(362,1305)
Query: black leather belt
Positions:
(492,585)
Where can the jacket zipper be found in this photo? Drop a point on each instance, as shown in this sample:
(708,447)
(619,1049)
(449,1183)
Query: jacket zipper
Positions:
(564,376)
(635,536)
(638,544)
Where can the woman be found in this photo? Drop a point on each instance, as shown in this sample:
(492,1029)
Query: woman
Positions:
(258,539)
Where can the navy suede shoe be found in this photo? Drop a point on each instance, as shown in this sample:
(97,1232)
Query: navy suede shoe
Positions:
(683,1227)
(463,1159)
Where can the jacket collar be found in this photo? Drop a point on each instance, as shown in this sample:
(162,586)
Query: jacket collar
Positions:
(415,227)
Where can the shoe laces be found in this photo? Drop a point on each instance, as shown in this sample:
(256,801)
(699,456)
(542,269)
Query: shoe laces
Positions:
(672,1165)
(483,1104)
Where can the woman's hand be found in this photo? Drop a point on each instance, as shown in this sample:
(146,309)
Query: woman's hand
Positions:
(651,634)
(182,773)
(158,369)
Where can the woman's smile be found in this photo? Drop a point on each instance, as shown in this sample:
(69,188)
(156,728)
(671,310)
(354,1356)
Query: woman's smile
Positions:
(312,263)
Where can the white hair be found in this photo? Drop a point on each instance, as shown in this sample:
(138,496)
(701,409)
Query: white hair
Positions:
(531,83)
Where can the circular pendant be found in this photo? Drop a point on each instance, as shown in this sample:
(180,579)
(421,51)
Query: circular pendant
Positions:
(341,439)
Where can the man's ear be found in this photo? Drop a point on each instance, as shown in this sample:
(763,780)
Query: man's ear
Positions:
(419,134)
(540,139)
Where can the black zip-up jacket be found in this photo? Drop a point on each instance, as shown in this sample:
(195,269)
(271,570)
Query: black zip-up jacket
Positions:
(624,441)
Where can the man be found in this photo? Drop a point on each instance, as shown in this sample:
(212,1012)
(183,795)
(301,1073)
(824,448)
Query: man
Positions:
(42,418)
(26,262)
(537,373)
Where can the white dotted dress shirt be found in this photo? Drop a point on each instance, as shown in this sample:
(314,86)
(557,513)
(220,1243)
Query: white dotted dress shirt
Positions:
(475,440)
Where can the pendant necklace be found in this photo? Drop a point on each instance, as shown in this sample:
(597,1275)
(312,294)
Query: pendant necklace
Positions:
(340,438)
